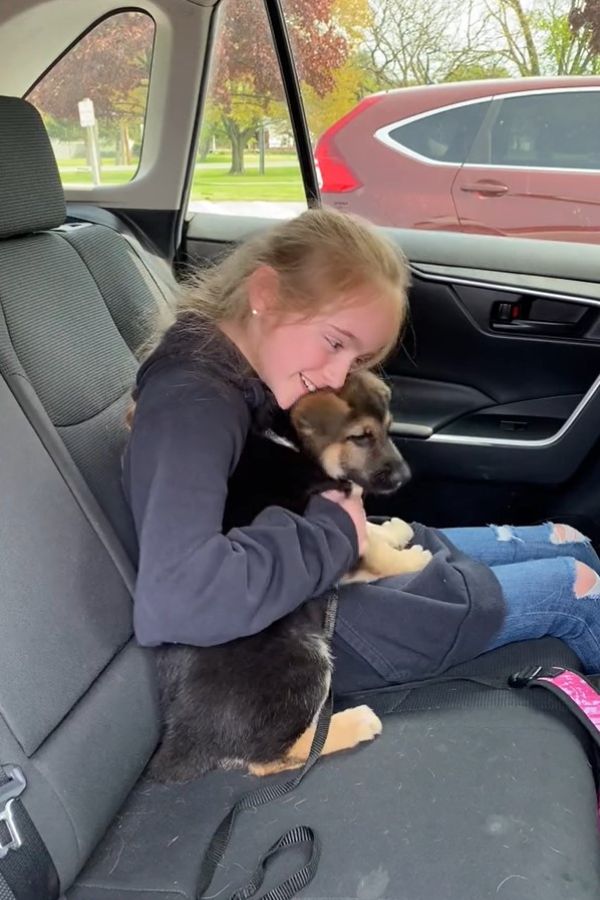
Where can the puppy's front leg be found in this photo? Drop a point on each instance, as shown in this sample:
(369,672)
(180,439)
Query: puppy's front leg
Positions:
(380,559)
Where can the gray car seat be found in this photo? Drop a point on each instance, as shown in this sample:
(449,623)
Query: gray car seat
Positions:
(469,793)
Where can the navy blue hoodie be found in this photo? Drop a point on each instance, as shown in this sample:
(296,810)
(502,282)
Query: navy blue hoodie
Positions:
(199,586)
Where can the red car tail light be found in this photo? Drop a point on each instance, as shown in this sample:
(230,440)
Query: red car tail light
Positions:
(335,176)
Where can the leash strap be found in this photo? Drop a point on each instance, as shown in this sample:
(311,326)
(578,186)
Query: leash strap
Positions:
(301,836)
(578,693)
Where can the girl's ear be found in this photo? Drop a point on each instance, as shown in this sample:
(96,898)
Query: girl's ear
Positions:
(263,290)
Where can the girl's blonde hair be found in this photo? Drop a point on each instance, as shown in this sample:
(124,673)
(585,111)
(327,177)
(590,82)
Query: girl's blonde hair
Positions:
(320,256)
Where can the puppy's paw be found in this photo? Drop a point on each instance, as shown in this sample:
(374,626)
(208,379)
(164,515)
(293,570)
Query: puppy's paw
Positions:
(397,533)
(416,558)
(362,722)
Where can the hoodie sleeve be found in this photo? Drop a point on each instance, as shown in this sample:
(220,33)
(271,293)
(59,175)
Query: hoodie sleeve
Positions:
(195,584)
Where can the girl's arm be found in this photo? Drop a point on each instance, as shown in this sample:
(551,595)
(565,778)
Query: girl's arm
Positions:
(195,584)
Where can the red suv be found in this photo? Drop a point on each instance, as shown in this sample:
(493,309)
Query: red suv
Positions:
(519,157)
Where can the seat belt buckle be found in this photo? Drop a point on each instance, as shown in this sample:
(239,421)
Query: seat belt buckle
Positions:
(9,792)
(530,673)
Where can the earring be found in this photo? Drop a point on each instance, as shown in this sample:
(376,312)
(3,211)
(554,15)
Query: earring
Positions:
(254,312)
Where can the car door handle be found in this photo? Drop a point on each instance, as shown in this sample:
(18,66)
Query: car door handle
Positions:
(493,188)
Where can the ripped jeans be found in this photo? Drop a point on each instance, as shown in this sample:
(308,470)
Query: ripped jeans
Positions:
(550,578)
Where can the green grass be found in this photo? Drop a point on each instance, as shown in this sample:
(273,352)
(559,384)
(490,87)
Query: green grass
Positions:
(278,183)
(283,183)
(71,175)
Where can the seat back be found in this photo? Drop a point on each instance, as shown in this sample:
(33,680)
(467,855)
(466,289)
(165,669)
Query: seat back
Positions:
(78,705)
(76,305)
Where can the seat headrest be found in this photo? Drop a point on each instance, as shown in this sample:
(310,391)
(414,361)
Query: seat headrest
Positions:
(31,195)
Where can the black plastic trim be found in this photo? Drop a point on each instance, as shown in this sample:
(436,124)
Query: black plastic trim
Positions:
(294,100)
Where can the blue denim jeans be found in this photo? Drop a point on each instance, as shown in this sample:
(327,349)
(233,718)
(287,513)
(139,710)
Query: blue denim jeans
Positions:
(537,574)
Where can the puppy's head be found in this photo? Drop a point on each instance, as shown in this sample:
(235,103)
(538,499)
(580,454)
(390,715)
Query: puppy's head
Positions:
(347,432)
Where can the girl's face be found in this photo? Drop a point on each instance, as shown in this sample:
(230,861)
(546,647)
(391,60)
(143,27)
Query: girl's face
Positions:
(294,354)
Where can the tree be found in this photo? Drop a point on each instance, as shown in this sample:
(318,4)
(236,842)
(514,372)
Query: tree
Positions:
(421,42)
(424,41)
(564,50)
(477,72)
(540,40)
(110,65)
(350,86)
(247,83)
(584,20)
(516,33)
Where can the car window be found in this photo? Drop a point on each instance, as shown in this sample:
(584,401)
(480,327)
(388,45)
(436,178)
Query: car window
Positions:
(442,137)
(560,130)
(396,96)
(93,101)
(246,163)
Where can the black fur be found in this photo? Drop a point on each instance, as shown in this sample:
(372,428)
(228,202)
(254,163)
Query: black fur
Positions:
(246,701)
(269,474)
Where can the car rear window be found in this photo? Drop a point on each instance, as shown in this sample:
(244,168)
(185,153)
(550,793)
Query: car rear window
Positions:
(444,136)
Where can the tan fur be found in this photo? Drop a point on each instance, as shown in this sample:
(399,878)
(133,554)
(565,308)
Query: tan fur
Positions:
(385,554)
(346,730)
(331,461)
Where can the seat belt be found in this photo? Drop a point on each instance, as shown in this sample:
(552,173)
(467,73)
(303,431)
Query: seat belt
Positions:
(26,868)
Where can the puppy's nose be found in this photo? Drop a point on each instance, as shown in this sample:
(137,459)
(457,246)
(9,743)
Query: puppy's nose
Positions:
(393,473)
(399,471)
(405,472)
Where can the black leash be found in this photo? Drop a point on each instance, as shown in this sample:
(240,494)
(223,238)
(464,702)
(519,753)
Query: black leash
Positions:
(301,836)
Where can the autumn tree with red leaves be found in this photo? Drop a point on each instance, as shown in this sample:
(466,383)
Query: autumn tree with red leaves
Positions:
(110,65)
(247,85)
(585,18)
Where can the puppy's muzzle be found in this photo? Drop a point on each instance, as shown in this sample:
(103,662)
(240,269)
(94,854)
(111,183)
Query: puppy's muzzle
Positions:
(392,475)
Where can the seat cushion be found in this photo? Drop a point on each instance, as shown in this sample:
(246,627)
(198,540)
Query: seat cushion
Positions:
(489,799)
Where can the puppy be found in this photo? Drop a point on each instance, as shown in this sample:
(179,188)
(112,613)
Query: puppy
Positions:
(253,703)
(329,440)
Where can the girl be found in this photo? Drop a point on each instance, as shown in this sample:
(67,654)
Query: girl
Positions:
(288,312)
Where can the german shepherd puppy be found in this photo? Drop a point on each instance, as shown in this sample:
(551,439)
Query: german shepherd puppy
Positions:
(253,703)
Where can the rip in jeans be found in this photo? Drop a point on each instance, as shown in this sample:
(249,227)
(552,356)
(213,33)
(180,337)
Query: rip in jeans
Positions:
(505,533)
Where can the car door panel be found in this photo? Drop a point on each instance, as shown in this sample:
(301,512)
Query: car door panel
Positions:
(533,168)
(545,204)
(529,427)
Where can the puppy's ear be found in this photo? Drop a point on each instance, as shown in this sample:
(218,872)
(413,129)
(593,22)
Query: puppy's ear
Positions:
(366,393)
(378,386)
(320,415)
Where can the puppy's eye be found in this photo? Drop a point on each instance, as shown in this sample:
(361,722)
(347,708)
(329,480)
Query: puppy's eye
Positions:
(363,440)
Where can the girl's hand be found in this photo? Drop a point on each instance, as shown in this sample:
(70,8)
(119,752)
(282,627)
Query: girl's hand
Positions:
(354,506)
